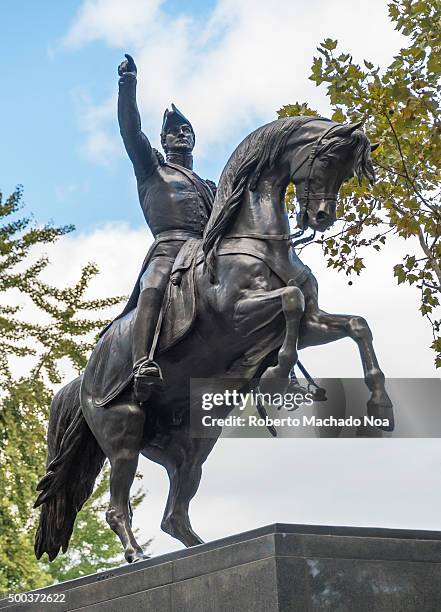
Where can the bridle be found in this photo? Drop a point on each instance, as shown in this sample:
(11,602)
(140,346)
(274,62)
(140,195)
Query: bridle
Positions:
(306,196)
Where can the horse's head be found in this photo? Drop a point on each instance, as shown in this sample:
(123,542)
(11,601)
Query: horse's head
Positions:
(314,153)
(338,153)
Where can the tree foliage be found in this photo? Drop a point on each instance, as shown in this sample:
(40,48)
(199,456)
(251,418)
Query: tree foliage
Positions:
(34,345)
(400,105)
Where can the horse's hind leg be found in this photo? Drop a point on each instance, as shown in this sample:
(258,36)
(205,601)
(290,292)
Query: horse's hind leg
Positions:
(119,430)
(183,460)
(319,327)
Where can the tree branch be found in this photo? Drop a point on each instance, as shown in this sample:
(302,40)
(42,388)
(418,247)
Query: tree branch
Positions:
(435,266)
(408,177)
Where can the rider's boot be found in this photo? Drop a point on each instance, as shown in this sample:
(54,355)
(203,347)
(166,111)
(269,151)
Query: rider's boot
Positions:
(147,373)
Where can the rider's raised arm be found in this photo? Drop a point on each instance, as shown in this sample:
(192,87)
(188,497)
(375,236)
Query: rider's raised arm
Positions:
(135,141)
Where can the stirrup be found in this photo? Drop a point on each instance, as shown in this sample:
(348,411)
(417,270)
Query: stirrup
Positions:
(147,371)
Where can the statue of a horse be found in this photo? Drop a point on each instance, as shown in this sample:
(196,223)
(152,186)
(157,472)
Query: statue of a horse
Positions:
(257,305)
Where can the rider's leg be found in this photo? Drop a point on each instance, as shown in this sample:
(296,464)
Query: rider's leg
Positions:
(152,288)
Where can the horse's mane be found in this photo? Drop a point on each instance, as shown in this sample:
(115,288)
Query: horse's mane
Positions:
(260,150)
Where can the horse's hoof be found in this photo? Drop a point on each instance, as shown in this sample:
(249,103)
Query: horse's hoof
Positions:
(319,395)
(189,538)
(381,408)
(181,530)
(134,556)
(296,389)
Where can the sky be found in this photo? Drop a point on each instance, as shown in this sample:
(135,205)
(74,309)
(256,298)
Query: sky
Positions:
(228,65)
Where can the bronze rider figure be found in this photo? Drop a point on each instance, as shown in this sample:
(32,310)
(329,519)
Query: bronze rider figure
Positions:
(176,204)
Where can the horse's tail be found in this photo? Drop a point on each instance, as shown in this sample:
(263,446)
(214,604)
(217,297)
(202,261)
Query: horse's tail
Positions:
(74,462)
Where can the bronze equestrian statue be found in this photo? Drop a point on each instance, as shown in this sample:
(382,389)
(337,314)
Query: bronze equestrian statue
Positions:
(239,305)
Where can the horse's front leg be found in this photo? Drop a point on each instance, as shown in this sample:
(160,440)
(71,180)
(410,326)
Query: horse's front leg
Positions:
(320,327)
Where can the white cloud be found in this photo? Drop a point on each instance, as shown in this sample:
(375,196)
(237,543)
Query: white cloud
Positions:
(117,250)
(232,71)
(401,334)
(100,145)
(118,23)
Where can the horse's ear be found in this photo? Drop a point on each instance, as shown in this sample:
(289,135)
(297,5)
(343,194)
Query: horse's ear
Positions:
(354,126)
(346,129)
(374,146)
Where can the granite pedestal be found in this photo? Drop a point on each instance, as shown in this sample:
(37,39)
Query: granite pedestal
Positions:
(289,568)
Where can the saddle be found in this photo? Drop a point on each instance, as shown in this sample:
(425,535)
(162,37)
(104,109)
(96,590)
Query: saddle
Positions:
(109,369)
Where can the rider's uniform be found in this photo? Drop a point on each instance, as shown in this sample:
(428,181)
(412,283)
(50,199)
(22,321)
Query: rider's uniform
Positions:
(176,204)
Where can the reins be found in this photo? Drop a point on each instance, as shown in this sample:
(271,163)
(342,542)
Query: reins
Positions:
(277,237)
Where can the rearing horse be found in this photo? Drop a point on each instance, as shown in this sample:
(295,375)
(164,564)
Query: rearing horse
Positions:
(257,305)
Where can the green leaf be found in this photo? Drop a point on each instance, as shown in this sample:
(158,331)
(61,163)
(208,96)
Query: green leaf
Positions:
(410,262)
(338,116)
(329,44)
(434,63)
(400,273)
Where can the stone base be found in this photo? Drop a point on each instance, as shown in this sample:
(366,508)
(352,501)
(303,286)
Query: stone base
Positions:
(289,568)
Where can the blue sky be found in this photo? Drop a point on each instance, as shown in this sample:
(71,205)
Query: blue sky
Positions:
(40,134)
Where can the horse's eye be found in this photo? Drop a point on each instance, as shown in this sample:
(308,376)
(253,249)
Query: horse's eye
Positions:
(324,162)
